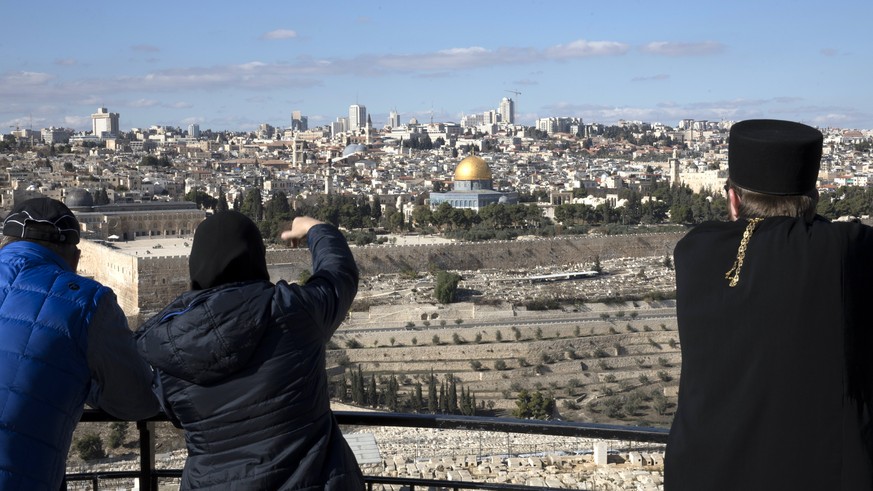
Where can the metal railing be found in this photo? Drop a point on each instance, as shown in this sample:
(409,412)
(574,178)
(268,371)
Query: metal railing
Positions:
(148,475)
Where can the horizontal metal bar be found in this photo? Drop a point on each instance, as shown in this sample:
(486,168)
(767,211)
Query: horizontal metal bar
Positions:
(507,425)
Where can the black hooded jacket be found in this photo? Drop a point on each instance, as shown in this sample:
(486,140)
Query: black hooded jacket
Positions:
(242,371)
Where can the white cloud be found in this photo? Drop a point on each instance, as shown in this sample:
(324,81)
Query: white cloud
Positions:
(24,78)
(682,49)
(280,34)
(252,65)
(584,49)
(143,103)
(77,121)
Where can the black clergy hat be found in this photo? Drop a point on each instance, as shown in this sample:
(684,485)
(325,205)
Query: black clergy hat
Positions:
(43,219)
(774,157)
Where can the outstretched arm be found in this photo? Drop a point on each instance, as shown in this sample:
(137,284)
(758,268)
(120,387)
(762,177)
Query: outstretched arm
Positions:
(328,293)
(299,228)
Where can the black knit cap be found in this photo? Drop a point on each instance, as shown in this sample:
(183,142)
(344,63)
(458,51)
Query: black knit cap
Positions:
(774,157)
(227,248)
(43,219)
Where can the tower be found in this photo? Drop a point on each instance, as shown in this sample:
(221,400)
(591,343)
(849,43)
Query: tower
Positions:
(507,110)
(675,177)
(357,116)
(104,123)
(299,122)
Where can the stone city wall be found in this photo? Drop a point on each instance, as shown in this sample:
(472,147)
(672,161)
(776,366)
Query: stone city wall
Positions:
(518,254)
(112,268)
(144,285)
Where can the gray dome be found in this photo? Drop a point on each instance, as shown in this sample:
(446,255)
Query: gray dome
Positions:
(354,148)
(78,198)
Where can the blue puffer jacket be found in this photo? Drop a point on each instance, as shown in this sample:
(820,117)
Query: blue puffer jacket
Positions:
(242,369)
(45,309)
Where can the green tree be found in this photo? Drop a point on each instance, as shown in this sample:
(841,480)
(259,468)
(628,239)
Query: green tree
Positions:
(278,209)
(117,432)
(422,216)
(446,287)
(252,206)
(204,201)
(534,405)
(417,400)
(432,400)
(221,205)
(373,393)
(90,447)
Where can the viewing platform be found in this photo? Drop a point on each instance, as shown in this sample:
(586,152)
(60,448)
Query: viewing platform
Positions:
(516,464)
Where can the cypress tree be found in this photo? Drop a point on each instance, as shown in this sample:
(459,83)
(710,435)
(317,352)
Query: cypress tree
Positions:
(432,401)
(452,403)
(417,401)
(373,393)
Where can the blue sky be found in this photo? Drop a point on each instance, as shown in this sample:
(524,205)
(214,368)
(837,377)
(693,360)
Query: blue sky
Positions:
(234,65)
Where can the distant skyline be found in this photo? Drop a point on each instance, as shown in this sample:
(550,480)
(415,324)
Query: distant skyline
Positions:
(233,66)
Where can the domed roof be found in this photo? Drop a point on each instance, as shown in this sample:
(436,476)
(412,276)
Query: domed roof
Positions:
(78,197)
(354,148)
(472,168)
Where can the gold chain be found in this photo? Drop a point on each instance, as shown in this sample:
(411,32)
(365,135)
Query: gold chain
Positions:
(734,274)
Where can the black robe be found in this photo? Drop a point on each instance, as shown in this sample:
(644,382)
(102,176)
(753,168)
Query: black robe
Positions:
(777,372)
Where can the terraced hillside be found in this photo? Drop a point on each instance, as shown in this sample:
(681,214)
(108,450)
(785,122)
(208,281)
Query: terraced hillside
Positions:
(601,363)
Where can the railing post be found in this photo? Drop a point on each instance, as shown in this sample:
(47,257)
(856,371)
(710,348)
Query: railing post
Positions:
(147,479)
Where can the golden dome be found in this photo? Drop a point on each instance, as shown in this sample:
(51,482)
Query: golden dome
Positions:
(472,168)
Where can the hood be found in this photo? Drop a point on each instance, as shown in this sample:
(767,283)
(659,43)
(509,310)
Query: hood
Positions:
(206,335)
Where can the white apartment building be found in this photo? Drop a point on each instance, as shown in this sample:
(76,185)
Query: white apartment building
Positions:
(394,119)
(104,123)
(507,111)
(341,125)
(357,116)
(55,135)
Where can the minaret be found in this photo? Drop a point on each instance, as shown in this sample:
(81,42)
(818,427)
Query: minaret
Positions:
(674,172)
(369,125)
(294,150)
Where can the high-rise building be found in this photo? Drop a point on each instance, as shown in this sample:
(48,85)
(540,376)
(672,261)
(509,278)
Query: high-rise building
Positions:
(194,130)
(104,123)
(341,125)
(299,122)
(55,135)
(507,110)
(394,119)
(357,116)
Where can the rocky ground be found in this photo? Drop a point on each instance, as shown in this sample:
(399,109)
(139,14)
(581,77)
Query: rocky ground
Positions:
(637,277)
(459,455)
